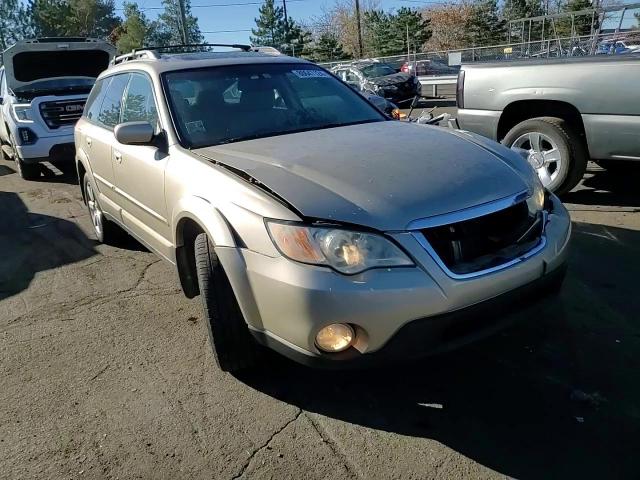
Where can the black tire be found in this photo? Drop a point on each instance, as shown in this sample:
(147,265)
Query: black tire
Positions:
(234,349)
(109,232)
(569,143)
(27,171)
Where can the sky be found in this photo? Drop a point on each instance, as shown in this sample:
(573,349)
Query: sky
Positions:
(230,21)
(227,17)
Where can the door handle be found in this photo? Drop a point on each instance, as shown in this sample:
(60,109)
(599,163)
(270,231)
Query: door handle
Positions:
(118,157)
(89,141)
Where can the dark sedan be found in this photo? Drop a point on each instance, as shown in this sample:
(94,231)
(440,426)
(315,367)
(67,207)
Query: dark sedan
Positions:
(379,79)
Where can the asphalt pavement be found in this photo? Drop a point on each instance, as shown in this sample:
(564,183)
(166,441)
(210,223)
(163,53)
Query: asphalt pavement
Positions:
(106,370)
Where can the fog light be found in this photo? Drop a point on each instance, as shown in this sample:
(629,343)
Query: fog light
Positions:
(335,338)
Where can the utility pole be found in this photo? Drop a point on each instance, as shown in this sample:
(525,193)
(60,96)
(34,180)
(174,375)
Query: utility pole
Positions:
(360,49)
(183,21)
(286,26)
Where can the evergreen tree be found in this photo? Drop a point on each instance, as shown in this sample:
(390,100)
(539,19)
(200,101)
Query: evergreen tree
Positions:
(582,23)
(133,31)
(328,48)
(167,30)
(386,33)
(270,28)
(83,18)
(14,23)
(516,9)
(419,28)
(485,25)
(272,31)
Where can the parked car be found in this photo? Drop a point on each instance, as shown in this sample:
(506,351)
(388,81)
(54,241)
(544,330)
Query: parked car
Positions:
(562,111)
(428,68)
(380,79)
(44,84)
(296,219)
(631,45)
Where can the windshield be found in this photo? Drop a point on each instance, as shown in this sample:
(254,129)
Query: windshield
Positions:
(218,105)
(377,70)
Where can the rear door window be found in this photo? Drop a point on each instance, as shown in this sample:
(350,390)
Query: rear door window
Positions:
(109,115)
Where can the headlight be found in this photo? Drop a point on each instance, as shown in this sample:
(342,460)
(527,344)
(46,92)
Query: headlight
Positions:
(22,112)
(346,251)
(535,202)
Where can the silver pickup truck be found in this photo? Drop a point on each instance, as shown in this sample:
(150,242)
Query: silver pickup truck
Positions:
(562,111)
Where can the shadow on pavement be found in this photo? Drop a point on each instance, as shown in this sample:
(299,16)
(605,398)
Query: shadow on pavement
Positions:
(32,243)
(557,396)
(606,189)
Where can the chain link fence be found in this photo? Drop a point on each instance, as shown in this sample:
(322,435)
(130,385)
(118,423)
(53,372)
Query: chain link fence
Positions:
(610,43)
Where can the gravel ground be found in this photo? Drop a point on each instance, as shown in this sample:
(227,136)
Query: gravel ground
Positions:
(106,372)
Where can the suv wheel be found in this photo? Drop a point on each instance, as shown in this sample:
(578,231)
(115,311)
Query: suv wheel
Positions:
(556,152)
(234,348)
(106,231)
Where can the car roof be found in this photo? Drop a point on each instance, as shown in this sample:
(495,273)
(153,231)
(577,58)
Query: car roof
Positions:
(151,62)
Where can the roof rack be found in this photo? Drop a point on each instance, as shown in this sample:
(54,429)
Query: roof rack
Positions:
(244,48)
(154,52)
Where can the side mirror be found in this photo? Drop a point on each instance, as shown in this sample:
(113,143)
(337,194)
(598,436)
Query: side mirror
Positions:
(134,133)
(1,101)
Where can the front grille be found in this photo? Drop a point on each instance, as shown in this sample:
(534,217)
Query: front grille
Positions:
(61,113)
(488,241)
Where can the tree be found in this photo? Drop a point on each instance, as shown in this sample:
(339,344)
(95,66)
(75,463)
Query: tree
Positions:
(272,30)
(582,23)
(133,31)
(167,30)
(14,23)
(449,26)
(386,33)
(485,25)
(516,9)
(419,28)
(80,18)
(269,31)
(328,48)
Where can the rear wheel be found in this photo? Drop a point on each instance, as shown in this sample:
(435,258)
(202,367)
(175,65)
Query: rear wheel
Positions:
(556,152)
(106,231)
(234,348)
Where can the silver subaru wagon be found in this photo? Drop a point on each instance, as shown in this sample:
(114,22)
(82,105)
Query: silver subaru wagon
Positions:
(306,220)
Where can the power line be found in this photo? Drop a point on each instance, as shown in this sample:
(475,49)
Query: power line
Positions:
(217,5)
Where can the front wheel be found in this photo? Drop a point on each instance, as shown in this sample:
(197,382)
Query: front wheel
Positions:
(234,348)
(556,152)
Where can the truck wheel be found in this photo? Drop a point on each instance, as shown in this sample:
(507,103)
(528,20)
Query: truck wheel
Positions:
(233,347)
(106,231)
(27,171)
(556,152)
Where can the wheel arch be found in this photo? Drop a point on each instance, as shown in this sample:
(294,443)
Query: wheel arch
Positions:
(196,215)
(521,110)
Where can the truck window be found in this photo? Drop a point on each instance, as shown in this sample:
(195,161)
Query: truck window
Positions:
(139,103)
(109,115)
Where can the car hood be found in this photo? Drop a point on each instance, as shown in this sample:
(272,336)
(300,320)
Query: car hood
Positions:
(381,175)
(395,79)
(28,63)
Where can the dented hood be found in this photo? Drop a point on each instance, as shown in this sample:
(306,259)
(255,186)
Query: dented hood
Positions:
(381,175)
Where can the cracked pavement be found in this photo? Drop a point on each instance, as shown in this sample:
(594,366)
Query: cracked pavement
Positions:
(106,370)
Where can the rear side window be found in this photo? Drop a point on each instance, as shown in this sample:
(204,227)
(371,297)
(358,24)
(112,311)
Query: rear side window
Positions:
(94,102)
(139,103)
(109,115)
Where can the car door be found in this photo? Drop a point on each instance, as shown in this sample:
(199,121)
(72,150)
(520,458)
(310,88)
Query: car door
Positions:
(102,113)
(139,170)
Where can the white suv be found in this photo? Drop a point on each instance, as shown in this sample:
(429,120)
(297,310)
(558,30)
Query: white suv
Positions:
(44,84)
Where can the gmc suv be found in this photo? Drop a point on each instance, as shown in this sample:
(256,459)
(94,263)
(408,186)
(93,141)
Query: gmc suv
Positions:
(43,86)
